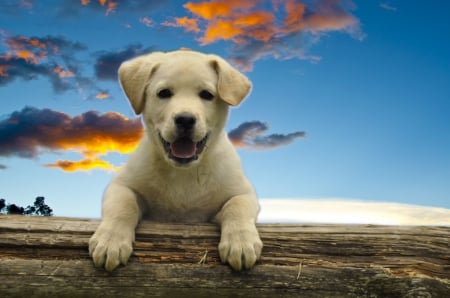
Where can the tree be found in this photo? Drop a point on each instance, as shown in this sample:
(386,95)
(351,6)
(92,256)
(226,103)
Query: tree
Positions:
(38,208)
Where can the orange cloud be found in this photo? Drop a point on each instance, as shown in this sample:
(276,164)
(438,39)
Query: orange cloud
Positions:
(29,132)
(294,16)
(258,28)
(110,5)
(22,43)
(29,49)
(228,19)
(102,95)
(82,165)
(221,30)
(4,70)
(328,16)
(95,138)
(63,73)
(189,24)
(216,9)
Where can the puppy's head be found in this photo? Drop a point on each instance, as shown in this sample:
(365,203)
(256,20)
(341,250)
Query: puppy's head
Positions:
(183,97)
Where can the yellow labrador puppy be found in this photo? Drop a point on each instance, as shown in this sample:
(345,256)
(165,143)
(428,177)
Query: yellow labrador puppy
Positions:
(185,169)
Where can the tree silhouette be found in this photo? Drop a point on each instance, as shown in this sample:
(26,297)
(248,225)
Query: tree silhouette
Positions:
(38,208)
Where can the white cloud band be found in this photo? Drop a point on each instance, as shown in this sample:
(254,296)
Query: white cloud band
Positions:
(344,211)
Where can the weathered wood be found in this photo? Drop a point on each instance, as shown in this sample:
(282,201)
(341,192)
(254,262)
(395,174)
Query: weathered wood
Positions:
(48,257)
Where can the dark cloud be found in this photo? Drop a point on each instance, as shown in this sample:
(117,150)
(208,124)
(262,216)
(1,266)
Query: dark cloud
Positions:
(3,167)
(245,131)
(289,46)
(52,57)
(13,68)
(28,132)
(249,135)
(108,63)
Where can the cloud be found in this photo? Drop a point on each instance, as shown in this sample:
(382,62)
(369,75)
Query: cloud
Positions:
(148,22)
(13,7)
(280,29)
(82,165)
(344,211)
(258,29)
(50,57)
(190,25)
(102,95)
(31,132)
(3,167)
(387,6)
(108,62)
(249,135)
(71,8)
(108,7)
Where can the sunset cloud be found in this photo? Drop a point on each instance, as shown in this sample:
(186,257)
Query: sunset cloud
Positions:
(254,30)
(102,95)
(82,165)
(62,73)
(278,29)
(31,132)
(190,25)
(249,135)
(51,57)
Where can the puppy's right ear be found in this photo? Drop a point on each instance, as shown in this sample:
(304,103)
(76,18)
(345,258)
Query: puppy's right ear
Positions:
(134,76)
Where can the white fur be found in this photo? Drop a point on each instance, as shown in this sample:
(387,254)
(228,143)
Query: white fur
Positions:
(151,185)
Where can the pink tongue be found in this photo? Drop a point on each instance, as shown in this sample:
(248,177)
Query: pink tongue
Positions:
(183,148)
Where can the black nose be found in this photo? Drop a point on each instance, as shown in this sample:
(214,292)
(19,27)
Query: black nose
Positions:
(185,121)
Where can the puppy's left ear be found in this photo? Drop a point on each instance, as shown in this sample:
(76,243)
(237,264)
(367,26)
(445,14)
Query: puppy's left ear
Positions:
(232,85)
(134,76)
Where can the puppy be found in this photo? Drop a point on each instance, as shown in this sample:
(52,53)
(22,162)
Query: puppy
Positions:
(185,169)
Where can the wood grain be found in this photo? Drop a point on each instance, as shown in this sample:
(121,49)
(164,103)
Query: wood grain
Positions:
(48,257)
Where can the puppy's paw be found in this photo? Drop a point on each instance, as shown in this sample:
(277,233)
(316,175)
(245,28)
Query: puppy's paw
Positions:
(111,246)
(240,246)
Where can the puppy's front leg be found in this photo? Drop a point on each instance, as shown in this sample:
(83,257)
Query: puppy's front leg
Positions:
(112,242)
(240,244)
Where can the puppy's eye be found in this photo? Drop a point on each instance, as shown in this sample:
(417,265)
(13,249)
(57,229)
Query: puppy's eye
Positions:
(164,94)
(206,95)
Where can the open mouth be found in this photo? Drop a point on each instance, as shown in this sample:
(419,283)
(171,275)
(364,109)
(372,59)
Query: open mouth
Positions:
(183,150)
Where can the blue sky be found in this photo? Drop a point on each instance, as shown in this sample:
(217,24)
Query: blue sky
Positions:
(367,81)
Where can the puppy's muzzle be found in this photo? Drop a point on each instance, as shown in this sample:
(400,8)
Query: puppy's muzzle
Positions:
(184,149)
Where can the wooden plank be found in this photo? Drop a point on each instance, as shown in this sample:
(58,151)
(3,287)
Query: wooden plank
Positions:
(43,257)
